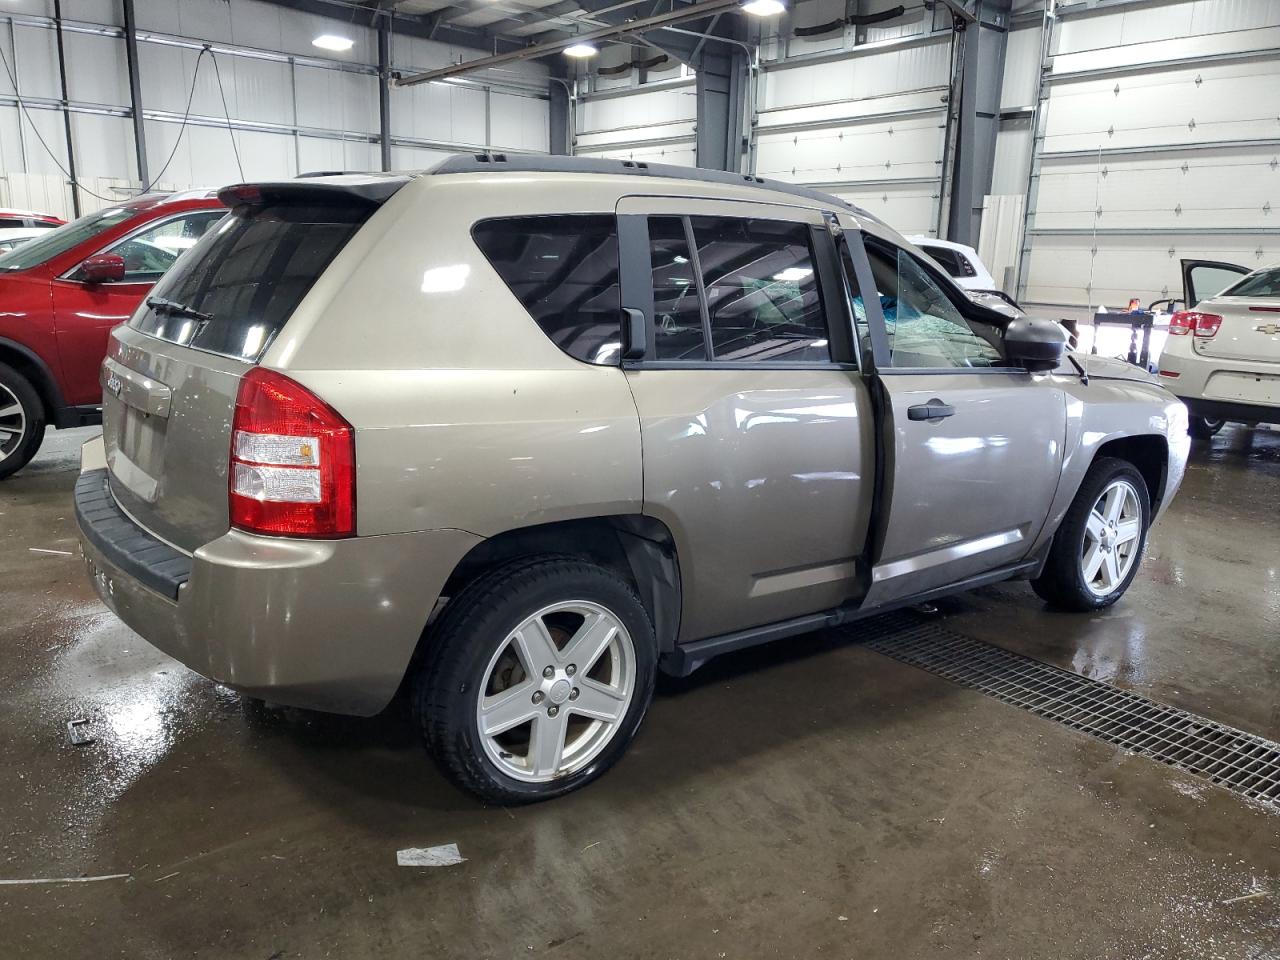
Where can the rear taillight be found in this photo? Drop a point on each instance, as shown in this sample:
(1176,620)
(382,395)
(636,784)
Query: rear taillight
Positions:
(293,464)
(1204,325)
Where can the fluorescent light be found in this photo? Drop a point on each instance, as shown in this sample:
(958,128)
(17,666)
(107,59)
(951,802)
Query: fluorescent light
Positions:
(581,50)
(764,8)
(331,41)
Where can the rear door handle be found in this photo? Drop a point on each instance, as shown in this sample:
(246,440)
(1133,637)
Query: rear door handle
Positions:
(933,411)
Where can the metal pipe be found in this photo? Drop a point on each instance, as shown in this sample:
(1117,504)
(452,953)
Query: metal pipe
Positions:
(384,92)
(66,113)
(692,12)
(135,91)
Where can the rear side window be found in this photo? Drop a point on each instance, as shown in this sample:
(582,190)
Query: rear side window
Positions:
(1264,283)
(247,275)
(564,270)
(952,261)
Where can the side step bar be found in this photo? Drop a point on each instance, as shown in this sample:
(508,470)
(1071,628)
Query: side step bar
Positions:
(688,657)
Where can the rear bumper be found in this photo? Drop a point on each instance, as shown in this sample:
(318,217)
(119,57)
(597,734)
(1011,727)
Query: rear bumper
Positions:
(326,625)
(1211,386)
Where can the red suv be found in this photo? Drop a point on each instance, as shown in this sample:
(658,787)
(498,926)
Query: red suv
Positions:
(61,294)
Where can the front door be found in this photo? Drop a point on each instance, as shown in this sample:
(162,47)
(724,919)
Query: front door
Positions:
(756,423)
(84,313)
(1203,279)
(971,448)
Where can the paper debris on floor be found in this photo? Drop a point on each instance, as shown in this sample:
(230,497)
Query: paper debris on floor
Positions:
(109,876)
(445,855)
(77,734)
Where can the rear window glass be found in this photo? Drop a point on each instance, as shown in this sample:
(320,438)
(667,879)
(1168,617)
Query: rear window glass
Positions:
(247,275)
(1264,283)
(564,270)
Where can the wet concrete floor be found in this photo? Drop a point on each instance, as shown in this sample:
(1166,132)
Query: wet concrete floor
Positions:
(812,799)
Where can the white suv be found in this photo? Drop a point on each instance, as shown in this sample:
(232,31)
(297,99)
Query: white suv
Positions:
(1223,354)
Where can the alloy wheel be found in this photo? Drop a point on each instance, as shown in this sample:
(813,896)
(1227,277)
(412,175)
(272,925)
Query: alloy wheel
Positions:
(13,422)
(556,691)
(1112,535)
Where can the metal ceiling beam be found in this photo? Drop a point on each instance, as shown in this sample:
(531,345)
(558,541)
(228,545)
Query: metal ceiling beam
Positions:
(403,23)
(639,25)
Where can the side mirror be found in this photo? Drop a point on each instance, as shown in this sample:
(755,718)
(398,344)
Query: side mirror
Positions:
(1035,344)
(102,268)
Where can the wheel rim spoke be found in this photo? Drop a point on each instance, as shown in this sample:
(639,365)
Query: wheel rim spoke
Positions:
(599,702)
(508,709)
(1110,570)
(10,410)
(547,746)
(1093,562)
(535,646)
(1095,525)
(1128,530)
(1114,504)
(591,640)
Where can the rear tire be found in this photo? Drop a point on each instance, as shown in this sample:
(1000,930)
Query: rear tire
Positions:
(1098,548)
(503,702)
(22,421)
(1203,428)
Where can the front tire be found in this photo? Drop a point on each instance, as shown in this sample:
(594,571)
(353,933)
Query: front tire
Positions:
(1098,548)
(536,679)
(1203,428)
(22,421)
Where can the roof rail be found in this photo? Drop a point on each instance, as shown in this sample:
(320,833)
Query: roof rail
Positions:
(535,163)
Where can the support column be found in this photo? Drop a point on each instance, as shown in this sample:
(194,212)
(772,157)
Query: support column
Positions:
(384,91)
(982,74)
(560,118)
(721,99)
(135,92)
(66,109)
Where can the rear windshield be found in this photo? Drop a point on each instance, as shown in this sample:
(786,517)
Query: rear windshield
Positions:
(240,283)
(58,241)
(1264,283)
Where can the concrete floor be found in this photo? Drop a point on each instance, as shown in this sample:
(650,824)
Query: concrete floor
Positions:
(809,800)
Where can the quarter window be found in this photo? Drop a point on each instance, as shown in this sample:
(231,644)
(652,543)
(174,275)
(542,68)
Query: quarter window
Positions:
(924,328)
(677,311)
(564,270)
(762,294)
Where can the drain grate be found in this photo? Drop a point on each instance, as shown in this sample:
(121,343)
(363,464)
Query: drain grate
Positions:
(1239,761)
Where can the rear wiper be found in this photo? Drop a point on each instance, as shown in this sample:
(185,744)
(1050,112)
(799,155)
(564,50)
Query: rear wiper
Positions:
(161,305)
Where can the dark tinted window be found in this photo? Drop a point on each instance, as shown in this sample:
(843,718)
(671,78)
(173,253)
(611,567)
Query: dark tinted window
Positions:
(249,273)
(762,291)
(677,312)
(12,222)
(564,270)
(1264,283)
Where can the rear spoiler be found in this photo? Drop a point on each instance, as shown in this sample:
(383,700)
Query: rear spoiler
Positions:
(357,191)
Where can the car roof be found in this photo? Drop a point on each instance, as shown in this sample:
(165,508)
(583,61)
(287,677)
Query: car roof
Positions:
(378,185)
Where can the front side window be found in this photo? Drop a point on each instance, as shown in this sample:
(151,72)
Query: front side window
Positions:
(762,292)
(923,327)
(149,254)
(564,270)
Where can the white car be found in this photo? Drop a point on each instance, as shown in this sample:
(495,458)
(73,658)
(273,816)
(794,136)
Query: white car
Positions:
(962,263)
(1222,358)
(11,237)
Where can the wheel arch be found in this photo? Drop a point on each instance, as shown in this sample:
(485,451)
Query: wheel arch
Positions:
(639,548)
(1149,454)
(32,366)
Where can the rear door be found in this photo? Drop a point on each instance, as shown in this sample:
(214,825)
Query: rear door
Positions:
(756,423)
(171,380)
(84,313)
(971,449)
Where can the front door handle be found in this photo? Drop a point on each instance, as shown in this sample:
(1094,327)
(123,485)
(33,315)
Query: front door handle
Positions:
(933,411)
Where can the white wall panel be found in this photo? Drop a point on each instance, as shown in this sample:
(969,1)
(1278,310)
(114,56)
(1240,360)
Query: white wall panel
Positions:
(520,123)
(1168,153)
(653,125)
(883,150)
(682,154)
(1021,68)
(332,100)
(856,77)
(1012,165)
(909,208)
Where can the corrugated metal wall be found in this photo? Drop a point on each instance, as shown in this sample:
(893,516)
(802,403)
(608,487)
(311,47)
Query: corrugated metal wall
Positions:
(1158,139)
(860,114)
(646,116)
(294,108)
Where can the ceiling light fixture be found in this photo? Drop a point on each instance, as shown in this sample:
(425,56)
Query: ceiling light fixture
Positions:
(764,8)
(331,41)
(581,50)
